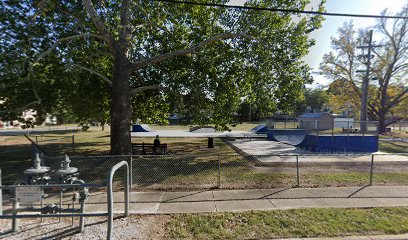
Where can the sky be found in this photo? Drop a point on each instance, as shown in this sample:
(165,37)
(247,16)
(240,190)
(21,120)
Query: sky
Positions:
(331,24)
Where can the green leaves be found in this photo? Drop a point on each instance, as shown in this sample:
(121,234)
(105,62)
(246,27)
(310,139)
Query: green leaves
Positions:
(205,87)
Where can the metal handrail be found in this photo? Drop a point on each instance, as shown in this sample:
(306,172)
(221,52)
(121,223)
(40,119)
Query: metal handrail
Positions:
(110,195)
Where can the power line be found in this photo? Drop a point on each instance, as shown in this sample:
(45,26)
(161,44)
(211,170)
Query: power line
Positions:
(284,10)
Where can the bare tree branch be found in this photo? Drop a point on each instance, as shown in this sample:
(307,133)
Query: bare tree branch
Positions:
(91,71)
(59,41)
(161,58)
(99,24)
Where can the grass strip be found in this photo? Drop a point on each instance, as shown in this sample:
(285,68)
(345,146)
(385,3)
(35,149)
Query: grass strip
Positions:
(289,223)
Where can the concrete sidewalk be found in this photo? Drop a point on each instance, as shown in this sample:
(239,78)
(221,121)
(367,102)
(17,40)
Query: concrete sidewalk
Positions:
(252,199)
(244,200)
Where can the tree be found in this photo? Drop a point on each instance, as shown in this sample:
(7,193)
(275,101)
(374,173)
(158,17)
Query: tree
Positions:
(389,83)
(196,58)
(315,100)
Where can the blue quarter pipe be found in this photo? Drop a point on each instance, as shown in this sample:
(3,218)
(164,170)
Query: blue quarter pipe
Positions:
(290,136)
(325,143)
(141,128)
(260,129)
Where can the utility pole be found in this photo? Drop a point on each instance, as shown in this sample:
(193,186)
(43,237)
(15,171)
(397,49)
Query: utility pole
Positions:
(364,90)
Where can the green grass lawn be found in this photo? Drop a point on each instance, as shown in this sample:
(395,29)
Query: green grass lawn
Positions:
(289,223)
(394,146)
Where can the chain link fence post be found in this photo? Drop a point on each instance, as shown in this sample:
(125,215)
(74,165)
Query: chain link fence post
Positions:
(297,171)
(371,169)
(73,143)
(15,221)
(1,197)
(219,172)
(131,172)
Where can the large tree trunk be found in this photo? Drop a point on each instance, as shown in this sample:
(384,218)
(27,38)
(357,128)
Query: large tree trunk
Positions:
(120,109)
(381,124)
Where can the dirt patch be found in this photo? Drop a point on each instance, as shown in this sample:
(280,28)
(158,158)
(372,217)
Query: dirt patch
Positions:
(133,227)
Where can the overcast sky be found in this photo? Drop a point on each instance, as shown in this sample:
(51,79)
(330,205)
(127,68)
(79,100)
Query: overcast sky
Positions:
(331,24)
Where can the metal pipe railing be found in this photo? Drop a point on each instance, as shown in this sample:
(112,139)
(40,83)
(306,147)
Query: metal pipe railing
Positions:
(110,195)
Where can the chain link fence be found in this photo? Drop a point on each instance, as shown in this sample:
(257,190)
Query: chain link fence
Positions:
(242,171)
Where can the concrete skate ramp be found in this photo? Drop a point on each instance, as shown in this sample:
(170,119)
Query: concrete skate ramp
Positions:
(141,128)
(260,129)
(293,137)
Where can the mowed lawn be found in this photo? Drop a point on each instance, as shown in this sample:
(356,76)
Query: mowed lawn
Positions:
(296,223)
(189,165)
(395,146)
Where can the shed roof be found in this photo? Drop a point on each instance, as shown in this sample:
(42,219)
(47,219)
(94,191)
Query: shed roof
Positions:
(314,115)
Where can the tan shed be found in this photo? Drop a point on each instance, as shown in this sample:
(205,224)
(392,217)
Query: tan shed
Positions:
(316,121)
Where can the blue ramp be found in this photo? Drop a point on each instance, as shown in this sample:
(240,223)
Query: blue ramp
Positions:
(325,143)
(260,129)
(141,128)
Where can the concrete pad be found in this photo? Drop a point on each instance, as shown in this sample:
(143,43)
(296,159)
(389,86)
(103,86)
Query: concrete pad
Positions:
(264,148)
(187,196)
(383,191)
(298,203)
(237,194)
(352,202)
(186,207)
(244,205)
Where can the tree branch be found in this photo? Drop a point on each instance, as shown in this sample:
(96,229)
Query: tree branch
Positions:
(151,87)
(141,8)
(91,71)
(124,21)
(400,97)
(59,41)
(99,24)
(161,58)
(150,24)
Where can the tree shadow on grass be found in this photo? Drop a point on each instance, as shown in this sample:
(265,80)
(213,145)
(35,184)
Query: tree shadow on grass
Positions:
(14,159)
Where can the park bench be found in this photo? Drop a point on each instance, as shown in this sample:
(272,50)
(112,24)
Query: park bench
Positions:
(149,148)
(350,130)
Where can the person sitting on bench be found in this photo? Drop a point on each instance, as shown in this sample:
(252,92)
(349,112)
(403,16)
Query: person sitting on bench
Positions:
(156,143)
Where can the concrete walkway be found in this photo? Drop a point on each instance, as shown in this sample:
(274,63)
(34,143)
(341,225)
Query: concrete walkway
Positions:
(208,201)
(247,200)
